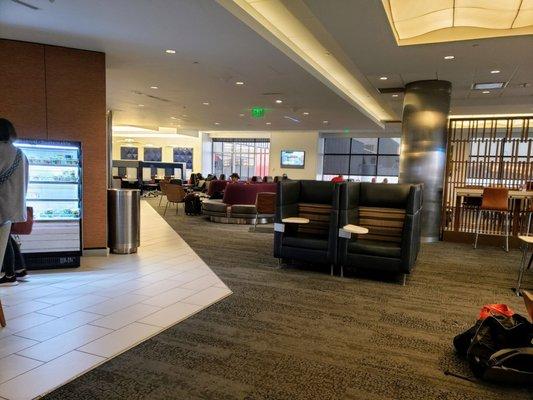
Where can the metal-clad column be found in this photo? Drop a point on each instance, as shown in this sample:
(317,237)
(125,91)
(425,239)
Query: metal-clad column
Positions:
(423,150)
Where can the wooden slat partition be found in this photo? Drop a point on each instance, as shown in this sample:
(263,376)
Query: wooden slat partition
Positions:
(384,224)
(492,152)
(318,215)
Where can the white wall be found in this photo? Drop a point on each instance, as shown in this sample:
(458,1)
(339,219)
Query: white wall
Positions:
(281,140)
(294,140)
(167,144)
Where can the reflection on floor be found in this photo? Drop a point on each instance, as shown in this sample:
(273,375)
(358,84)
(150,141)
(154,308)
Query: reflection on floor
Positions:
(63,323)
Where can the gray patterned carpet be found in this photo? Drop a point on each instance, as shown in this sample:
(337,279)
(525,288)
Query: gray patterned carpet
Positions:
(298,333)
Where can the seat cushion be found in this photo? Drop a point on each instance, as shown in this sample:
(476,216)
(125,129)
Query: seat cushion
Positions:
(213,205)
(375,248)
(243,209)
(306,242)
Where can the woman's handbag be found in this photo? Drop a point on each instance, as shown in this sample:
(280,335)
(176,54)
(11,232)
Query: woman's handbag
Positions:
(24,228)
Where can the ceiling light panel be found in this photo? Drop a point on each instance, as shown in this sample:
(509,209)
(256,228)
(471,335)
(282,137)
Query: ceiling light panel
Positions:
(298,41)
(458,19)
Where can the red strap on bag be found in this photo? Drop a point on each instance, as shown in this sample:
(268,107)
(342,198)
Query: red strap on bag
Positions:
(495,309)
(24,228)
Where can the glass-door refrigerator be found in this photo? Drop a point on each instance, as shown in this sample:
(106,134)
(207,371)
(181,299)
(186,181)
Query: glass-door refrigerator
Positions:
(55,193)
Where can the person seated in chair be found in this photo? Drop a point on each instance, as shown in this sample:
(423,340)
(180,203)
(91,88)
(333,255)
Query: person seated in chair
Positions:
(234,178)
(222,177)
(338,179)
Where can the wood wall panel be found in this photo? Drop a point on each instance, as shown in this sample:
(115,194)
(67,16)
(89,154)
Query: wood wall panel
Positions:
(76,110)
(22,87)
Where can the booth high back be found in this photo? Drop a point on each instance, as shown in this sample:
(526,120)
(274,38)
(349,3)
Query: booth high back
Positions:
(391,212)
(240,193)
(315,241)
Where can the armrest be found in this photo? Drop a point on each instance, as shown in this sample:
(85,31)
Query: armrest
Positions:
(410,240)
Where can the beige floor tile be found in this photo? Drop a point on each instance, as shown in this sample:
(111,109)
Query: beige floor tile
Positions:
(120,340)
(14,365)
(48,376)
(62,344)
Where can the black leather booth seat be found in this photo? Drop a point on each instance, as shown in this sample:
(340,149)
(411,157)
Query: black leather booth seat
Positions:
(317,241)
(392,214)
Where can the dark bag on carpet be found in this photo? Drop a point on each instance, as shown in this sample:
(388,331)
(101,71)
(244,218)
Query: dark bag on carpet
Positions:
(499,348)
(193,205)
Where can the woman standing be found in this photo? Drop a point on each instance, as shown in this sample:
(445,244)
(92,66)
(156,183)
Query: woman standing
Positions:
(13,185)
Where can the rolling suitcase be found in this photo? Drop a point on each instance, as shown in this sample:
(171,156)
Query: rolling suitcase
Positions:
(193,205)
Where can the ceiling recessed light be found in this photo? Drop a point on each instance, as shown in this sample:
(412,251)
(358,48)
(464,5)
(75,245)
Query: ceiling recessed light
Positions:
(495,71)
(241,115)
(269,123)
(394,95)
(154,87)
(239,83)
(205,103)
(383,78)
(449,57)
(170,51)
(173,118)
(325,122)
(217,123)
(486,92)
(305,113)
(488,85)
(141,105)
(278,101)
(184,115)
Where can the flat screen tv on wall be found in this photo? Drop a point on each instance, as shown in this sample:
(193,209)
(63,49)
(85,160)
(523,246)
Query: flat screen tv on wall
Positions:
(292,159)
(129,153)
(152,154)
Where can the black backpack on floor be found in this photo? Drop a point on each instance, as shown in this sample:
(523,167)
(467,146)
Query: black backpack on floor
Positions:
(499,349)
(193,205)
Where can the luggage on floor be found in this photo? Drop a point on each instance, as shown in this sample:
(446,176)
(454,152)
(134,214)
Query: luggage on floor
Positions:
(193,205)
(499,346)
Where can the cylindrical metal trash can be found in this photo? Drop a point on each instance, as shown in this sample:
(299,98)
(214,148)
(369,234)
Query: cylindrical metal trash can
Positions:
(124,220)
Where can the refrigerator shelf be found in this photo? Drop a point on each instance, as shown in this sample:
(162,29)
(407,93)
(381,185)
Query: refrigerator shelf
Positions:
(56,182)
(52,219)
(76,200)
(55,165)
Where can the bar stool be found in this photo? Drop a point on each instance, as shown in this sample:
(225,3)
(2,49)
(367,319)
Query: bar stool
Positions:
(494,200)
(163,187)
(2,317)
(529,212)
(525,241)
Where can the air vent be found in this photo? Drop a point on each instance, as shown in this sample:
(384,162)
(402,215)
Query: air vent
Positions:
(391,90)
(150,96)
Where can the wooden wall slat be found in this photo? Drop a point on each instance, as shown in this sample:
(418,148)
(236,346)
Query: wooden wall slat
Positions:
(76,108)
(22,87)
(489,165)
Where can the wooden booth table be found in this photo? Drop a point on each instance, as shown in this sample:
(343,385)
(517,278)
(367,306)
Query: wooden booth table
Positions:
(464,223)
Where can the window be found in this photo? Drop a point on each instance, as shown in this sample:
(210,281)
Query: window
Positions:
(362,159)
(246,157)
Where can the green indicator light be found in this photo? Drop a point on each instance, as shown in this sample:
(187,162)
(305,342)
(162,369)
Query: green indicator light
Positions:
(346,130)
(258,112)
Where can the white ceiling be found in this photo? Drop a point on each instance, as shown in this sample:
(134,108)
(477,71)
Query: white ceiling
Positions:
(362,30)
(214,50)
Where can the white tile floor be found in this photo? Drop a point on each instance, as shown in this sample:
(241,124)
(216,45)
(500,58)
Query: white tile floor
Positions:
(62,323)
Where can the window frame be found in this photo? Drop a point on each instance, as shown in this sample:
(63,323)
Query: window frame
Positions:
(260,152)
(351,154)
